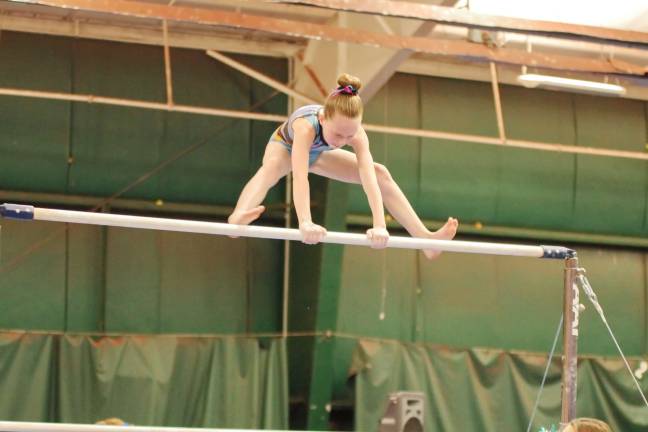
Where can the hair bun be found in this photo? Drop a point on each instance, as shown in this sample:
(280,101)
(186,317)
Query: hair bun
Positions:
(349,80)
(344,100)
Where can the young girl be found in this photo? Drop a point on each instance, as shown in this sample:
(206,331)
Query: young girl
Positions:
(311,140)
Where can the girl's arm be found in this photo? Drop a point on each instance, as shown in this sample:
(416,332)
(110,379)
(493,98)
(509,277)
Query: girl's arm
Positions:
(378,234)
(304,136)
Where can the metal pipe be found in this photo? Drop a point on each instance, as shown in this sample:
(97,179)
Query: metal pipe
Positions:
(571,310)
(53,215)
(277,214)
(479,229)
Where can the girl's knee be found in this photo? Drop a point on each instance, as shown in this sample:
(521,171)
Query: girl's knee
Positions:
(273,169)
(382,174)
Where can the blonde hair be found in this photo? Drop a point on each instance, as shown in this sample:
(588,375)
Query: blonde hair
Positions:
(587,425)
(345,99)
(112,421)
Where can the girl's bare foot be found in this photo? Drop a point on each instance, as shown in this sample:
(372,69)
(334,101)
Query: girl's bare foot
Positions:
(245,217)
(446,232)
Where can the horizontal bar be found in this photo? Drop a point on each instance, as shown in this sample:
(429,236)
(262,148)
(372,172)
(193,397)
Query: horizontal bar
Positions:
(9,426)
(275,213)
(486,230)
(216,228)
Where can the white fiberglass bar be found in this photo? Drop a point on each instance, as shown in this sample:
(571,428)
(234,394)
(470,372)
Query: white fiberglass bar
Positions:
(164,224)
(8,426)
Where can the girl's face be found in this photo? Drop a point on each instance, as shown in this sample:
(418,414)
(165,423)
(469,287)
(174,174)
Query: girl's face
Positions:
(339,130)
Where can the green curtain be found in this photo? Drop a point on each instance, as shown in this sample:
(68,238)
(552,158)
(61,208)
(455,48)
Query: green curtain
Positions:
(488,389)
(165,380)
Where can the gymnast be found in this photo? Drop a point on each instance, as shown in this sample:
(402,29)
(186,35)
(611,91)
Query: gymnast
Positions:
(311,140)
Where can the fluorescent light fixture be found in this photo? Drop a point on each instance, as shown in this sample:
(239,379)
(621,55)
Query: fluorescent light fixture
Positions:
(552,82)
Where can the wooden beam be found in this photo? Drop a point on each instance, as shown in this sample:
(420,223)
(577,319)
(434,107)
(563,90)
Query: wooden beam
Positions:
(463,49)
(389,64)
(179,37)
(465,18)
(422,133)
(270,82)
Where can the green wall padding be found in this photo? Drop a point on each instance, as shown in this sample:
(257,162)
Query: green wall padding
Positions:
(606,185)
(463,301)
(489,390)
(88,278)
(26,376)
(192,283)
(94,149)
(86,269)
(35,133)
(537,188)
(512,187)
(458,179)
(466,300)
(401,154)
(144,380)
(92,279)
(33,278)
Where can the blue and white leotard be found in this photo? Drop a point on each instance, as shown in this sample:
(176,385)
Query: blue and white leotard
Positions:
(285,135)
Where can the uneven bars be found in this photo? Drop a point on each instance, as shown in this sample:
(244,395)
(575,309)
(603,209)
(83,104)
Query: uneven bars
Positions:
(11,426)
(27,212)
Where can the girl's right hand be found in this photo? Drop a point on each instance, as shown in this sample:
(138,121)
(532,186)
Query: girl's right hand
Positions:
(311,233)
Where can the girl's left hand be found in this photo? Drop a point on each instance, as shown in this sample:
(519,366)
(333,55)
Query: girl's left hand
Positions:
(378,237)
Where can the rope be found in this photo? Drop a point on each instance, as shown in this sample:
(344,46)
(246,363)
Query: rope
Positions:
(546,373)
(591,295)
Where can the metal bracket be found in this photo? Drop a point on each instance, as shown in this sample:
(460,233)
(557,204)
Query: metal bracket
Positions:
(17,211)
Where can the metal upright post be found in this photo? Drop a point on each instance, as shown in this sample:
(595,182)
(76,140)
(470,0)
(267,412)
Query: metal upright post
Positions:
(571,310)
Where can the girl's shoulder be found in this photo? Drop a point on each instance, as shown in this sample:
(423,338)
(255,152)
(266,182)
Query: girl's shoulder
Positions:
(307,113)
(306,110)
(304,125)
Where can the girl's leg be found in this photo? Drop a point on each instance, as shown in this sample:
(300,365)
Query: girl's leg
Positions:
(342,165)
(276,164)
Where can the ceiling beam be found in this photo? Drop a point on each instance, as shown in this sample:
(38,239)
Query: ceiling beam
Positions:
(260,7)
(389,63)
(465,18)
(333,33)
(11,20)
(270,82)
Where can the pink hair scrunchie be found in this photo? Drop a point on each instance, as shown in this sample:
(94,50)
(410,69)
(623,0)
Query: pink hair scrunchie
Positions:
(345,90)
